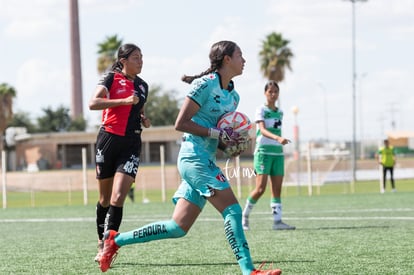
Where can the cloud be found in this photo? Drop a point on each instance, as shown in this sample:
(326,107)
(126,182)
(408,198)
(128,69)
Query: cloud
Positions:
(36,19)
(177,41)
(39,84)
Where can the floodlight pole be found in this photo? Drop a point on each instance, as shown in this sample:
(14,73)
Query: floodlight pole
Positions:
(354,76)
(295,111)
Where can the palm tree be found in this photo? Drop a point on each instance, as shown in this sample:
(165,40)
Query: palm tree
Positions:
(275,57)
(107,50)
(7,93)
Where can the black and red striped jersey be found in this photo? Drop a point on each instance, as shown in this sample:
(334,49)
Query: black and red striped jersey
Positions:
(124,120)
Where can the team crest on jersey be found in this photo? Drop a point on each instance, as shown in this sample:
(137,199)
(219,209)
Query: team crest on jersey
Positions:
(221,177)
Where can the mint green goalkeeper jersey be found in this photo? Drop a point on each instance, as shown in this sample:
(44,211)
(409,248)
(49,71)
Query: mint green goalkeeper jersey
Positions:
(214,101)
(273,122)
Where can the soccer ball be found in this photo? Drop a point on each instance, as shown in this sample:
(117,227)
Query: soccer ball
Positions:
(237,121)
(236,126)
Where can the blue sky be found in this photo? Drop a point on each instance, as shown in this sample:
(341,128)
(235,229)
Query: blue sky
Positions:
(175,37)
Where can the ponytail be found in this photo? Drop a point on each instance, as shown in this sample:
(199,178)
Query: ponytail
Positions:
(117,66)
(189,79)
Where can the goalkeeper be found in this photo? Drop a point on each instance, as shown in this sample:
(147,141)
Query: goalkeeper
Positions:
(268,157)
(211,96)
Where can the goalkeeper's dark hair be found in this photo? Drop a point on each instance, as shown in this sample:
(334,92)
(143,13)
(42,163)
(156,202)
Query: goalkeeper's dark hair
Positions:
(123,52)
(217,53)
(271,83)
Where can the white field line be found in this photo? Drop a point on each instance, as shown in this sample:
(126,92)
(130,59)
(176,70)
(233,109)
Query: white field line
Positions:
(288,215)
(382,210)
(63,220)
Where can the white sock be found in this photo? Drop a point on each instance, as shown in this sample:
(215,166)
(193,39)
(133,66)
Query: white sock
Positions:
(247,208)
(276,211)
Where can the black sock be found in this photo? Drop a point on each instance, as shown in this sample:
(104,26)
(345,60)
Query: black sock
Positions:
(100,219)
(114,217)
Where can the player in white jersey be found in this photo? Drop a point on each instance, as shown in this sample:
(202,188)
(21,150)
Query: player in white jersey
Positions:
(211,96)
(268,157)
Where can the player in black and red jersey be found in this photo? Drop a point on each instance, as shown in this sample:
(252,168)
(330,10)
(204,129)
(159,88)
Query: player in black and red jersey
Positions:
(121,94)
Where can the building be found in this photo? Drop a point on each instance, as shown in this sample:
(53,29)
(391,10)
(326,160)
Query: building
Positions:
(403,141)
(63,150)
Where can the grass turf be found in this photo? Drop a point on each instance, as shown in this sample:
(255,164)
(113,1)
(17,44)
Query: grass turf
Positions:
(354,233)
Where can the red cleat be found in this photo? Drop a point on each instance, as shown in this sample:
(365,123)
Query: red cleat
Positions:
(266,272)
(109,250)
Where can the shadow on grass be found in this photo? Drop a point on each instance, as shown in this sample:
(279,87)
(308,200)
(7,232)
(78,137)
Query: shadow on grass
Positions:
(257,263)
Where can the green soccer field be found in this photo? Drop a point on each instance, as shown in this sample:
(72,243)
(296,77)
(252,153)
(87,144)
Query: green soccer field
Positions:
(358,233)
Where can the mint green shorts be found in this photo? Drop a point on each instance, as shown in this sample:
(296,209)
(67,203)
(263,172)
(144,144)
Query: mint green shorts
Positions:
(200,177)
(269,164)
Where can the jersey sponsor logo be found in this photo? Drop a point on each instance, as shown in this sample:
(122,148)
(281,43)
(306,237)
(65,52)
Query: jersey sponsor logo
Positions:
(202,86)
(120,91)
(194,93)
(231,238)
(142,93)
(214,110)
(142,88)
(154,229)
(277,124)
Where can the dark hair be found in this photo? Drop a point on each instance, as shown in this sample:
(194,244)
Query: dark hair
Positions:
(217,53)
(123,52)
(271,83)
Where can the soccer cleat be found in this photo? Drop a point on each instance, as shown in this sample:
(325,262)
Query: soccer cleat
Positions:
(266,272)
(109,250)
(100,248)
(279,225)
(245,223)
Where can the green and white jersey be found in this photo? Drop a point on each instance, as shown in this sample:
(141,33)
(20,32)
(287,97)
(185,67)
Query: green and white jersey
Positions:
(214,101)
(273,122)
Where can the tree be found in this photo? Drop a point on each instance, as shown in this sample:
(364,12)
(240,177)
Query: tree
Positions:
(107,50)
(59,120)
(161,107)
(7,93)
(77,124)
(275,57)
(22,119)
(54,121)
